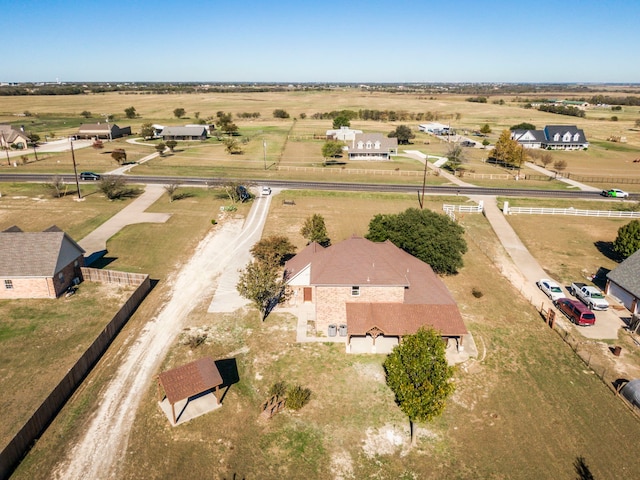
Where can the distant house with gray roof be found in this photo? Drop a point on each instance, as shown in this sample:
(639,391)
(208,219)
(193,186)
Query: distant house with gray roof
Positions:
(372,146)
(623,283)
(552,137)
(199,132)
(38,264)
(375,290)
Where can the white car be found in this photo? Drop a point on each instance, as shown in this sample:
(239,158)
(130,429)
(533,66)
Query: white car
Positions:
(266,190)
(551,289)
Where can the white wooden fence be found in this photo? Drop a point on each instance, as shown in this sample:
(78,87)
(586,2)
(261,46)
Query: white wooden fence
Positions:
(507,210)
(452,209)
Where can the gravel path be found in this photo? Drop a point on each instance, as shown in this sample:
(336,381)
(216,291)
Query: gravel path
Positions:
(97,454)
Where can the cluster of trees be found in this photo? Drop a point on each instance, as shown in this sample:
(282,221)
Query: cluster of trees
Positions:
(385,115)
(225,124)
(523,126)
(432,237)
(477,99)
(130,112)
(279,113)
(507,151)
(562,110)
(608,100)
(248,115)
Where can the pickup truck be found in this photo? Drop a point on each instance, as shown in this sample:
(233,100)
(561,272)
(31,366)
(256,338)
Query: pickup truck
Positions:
(590,296)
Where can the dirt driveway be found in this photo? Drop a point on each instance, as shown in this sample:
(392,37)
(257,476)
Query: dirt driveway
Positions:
(97,454)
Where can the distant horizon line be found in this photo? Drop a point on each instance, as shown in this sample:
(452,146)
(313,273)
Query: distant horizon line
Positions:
(249,82)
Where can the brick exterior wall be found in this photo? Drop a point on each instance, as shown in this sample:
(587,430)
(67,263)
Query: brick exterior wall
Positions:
(41,287)
(330,302)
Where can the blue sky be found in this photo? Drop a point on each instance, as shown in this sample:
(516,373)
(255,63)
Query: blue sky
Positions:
(307,41)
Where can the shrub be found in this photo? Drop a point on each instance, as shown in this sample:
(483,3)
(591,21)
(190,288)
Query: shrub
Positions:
(278,388)
(476,292)
(297,397)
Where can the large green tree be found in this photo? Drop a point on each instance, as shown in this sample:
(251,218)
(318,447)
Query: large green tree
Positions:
(507,150)
(315,230)
(628,240)
(179,112)
(225,123)
(332,148)
(130,112)
(147,130)
(418,374)
(433,238)
(341,121)
(262,284)
(403,134)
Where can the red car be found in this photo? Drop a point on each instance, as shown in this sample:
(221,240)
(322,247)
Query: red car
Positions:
(576,311)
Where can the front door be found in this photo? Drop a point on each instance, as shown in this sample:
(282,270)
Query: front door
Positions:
(307,294)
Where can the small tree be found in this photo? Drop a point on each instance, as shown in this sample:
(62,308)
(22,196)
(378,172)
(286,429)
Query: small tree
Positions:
(507,150)
(485,129)
(130,112)
(315,230)
(147,131)
(57,186)
(171,144)
(112,186)
(418,374)
(232,146)
(225,123)
(275,249)
(261,283)
(559,165)
(546,159)
(628,240)
(160,148)
(85,114)
(179,112)
(279,113)
(171,190)
(332,149)
(456,155)
(403,134)
(119,155)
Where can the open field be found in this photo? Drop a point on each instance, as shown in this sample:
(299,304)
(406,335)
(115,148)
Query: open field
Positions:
(290,141)
(527,396)
(41,339)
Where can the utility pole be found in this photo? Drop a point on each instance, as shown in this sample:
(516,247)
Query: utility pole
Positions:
(75,170)
(264,147)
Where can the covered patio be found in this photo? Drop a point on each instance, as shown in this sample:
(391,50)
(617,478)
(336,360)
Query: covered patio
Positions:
(190,390)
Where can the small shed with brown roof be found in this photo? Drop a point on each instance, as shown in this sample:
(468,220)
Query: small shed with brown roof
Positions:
(189,382)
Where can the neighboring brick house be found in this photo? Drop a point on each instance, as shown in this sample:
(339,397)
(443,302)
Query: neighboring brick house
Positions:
(379,291)
(372,146)
(623,283)
(11,137)
(102,130)
(38,264)
(553,137)
(185,133)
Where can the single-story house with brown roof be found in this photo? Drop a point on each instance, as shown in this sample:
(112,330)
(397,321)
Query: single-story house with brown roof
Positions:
(195,132)
(11,137)
(102,130)
(376,291)
(38,264)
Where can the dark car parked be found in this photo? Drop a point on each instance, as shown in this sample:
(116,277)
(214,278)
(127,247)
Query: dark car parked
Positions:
(89,176)
(576,311)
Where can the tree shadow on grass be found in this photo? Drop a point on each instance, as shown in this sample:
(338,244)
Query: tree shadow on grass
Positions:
(606,248)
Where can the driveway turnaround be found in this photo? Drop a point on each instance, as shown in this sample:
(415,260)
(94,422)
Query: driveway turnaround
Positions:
(133,213)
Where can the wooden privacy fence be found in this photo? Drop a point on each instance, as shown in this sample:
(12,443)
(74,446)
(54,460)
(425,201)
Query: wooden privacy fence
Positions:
(17,448)
(508,210)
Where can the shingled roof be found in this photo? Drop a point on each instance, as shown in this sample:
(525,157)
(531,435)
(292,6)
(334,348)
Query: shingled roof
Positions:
(36,254)
(190,379)
(627,274)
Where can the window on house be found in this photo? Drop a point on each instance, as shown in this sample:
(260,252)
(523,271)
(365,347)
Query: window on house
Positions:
(360,145)
(556,137)
(368,145)
(376,145)
(61,277)
(576,137)
(8,284)
(355,291)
